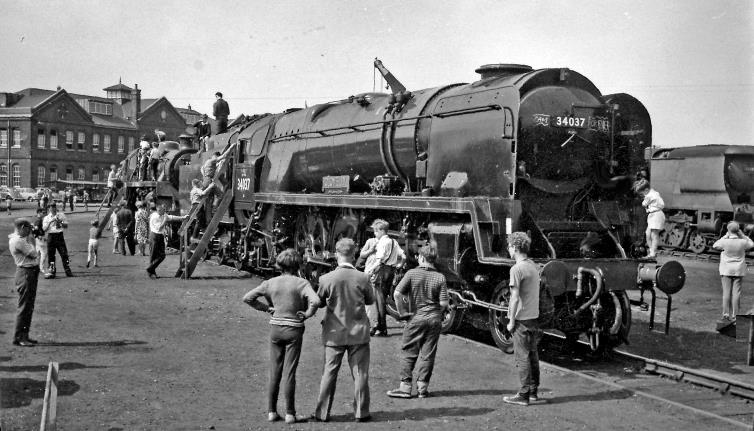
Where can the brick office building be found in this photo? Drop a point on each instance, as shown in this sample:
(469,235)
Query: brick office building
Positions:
(48,135)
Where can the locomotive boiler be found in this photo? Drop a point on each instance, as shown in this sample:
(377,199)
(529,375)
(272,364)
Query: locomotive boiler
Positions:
(704,187)
(462,165)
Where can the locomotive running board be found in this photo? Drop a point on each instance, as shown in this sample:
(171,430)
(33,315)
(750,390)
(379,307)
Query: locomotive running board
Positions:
(491,218)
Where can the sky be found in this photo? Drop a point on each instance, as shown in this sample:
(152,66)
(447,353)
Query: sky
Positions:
(689,61)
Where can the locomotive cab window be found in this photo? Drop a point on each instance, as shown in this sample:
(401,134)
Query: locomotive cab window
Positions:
(257,141)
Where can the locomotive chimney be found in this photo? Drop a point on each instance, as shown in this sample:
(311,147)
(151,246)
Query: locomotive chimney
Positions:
(501,69)
(135,102)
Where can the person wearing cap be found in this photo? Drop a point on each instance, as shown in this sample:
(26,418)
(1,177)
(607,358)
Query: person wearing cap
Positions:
(221,111)
(344,293)
(654,205)
(733,245)
(23,250)
(54,224)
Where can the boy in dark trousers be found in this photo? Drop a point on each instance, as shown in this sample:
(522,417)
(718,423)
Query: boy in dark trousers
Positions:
(523,312)
(427,290)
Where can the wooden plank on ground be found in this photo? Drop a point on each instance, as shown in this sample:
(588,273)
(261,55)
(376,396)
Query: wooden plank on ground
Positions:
(49,404)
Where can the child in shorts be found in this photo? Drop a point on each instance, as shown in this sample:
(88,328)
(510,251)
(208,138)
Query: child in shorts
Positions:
(93,244)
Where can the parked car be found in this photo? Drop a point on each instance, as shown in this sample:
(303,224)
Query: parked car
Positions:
(5,191)
(26,193)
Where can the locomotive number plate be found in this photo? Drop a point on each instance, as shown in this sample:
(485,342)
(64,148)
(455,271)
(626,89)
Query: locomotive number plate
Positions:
(576,122)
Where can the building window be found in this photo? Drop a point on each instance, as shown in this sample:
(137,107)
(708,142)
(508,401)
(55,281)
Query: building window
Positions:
(95,143)
(95,175)
(53,139)
(69,174)
(16,175)
(41,176)
(82,174)
(69,140)
(130,144)
(106,144)
(3,174)
(53,174)
(3,138)
(100,108)
(40,138)
(82,141)
(16,138)
(120,144)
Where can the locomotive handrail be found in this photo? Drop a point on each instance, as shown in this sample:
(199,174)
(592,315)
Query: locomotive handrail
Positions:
(353,127)
(473,110)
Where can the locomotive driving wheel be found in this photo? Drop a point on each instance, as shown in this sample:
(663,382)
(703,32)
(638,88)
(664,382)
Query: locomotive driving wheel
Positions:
(697,243)
(674,236)
(311,234)
(310,241)
(498,320)
(452,317)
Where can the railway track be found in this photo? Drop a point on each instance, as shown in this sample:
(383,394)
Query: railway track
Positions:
(706,394)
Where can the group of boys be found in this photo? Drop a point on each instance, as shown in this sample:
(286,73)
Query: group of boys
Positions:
(421,297)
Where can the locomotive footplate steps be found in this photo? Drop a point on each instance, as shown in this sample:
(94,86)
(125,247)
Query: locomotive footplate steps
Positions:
(201,247)
(113,205)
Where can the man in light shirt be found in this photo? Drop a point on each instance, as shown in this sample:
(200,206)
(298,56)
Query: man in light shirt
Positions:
(389,256)
(22,248)
(157,230)
(54,224)
(112,178)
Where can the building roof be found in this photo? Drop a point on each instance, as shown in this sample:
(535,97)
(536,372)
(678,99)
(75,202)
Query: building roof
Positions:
(188,111)
(27,101)
(118,87)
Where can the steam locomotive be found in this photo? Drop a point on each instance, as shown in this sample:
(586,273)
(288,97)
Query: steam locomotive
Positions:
(462,165)
(704,187)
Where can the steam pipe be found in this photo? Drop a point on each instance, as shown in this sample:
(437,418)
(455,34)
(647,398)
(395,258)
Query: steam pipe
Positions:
(579,289)
(618,314)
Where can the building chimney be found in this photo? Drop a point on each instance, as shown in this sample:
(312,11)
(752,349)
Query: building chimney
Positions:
(135,102)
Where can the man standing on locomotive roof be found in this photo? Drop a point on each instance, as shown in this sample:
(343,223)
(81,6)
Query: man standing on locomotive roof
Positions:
(427,291)
(523,311)
(221,111)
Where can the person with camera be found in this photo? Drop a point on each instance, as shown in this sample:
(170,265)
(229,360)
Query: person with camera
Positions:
(733,245)
(23,250)
(53,225)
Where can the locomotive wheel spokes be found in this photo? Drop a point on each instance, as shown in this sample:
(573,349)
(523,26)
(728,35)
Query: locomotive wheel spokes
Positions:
(452,317)
(697,243)
(311,234)
(675,237)
(498,320)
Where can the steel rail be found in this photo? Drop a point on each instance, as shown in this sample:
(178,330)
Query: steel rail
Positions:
(648,395)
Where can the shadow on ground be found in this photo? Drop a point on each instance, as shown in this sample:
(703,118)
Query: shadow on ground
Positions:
(692,349)
(43,368)
(19,392)
(114,343)
(417,414)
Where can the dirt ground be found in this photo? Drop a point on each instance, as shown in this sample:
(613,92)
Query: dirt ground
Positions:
(167,354)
